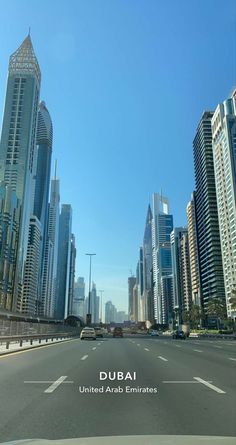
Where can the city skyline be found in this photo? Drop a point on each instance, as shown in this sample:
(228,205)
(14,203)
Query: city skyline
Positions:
(114,209)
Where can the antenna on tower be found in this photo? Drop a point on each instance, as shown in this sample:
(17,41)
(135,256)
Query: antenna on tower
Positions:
(29,31)
(131,272)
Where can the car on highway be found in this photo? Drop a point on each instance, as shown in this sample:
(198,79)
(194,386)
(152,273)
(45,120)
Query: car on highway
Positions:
(99,331)
(179,334)
(118,332)
(154,333)
(88,332)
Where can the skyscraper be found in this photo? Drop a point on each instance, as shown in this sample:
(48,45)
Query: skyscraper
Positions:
(79,297)
(63,265)
(148,269)
(208,236)
(162,226)
(17,146)
(131,284)
(33,280)
(224,155)
(49,280)
(182,295)
(72,275)
(193,251)
(9,230)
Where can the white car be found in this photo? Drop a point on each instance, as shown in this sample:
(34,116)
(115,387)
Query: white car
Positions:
(88,333)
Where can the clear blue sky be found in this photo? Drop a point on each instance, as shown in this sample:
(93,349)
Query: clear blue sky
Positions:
(126,82)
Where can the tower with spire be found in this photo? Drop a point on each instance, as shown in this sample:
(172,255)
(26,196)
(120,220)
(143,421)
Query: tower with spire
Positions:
(17,151)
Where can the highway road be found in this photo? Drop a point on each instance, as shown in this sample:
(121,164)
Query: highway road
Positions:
(185,387)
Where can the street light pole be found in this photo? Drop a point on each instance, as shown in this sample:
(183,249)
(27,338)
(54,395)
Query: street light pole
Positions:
(101,291)
(89,315)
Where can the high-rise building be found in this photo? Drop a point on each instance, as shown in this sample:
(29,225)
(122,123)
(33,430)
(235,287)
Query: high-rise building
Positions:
(162,226)
(131,284)
(94,304)
(32,265)
(148,270)
(182,292)
(79,297)
(63,265)
(224,155)
(9,230)
(72,275)
(17,146)
(33,280)
(193,251)
(50,262)
(208,236)
(110,312)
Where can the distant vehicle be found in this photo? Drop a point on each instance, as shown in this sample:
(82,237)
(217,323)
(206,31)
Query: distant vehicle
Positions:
(179,334)
(99,331)
(154,333)
(88,333)
(105,330)
(118,332)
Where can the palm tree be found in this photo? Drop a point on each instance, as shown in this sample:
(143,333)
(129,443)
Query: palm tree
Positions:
(217,307)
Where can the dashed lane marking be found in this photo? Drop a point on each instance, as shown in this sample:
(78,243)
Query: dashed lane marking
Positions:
(234,359)
(55,384)
(94,348)
(138,344)
(209,385)
(146,349)
(162,358)
(197,350)
(219,347)
(84,357)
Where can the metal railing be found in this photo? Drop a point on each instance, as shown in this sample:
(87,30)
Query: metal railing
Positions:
(20,339)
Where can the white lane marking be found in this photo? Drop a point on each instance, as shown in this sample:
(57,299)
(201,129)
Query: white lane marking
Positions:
(84,357)
(46,381)
(99,344)
(55,384)
(178,346)
(94,348)
(197,350)
(146,349)
(234,359)
(163,358)
(179,381)
(138,344)
(209,385)
(220,347)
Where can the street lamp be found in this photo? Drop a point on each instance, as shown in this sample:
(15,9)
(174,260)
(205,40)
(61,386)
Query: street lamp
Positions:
(101,291)
(89,315)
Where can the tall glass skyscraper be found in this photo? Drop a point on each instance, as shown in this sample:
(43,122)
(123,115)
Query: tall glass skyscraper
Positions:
(9,230)
(148,269)
(162,226)
(49,280)
(63,265)
(208,236)
(17,146)
(224,154)
(182,297)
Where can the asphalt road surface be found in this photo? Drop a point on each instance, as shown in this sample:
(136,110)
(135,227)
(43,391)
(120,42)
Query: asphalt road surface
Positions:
(193,384)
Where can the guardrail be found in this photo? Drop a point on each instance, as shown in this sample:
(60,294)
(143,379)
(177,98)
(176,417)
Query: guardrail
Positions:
(30,338)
